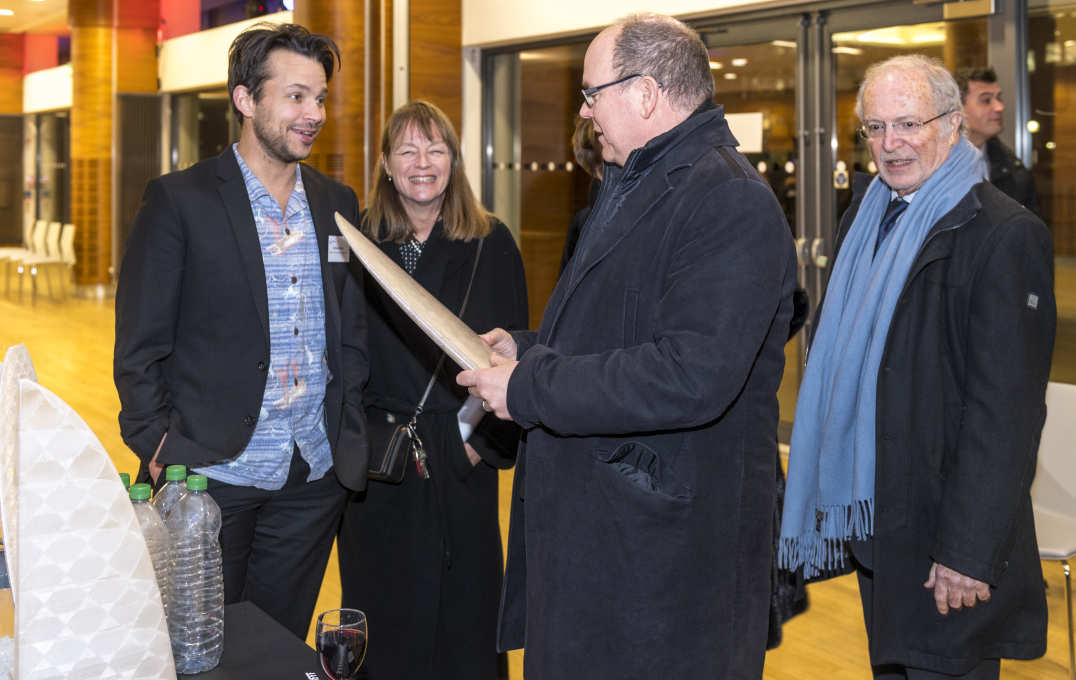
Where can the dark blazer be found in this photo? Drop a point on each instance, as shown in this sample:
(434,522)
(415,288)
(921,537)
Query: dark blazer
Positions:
(192,338)
(1010,175)
(642,513)
(961,403)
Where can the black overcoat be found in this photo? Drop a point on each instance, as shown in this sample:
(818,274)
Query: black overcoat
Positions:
(649,394)
(1010,175)
(423,559)
(961,403)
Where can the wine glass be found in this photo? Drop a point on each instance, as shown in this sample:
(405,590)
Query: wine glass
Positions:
(341,642)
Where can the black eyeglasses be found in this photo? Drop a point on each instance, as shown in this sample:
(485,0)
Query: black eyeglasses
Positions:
(588,94)
(875,129)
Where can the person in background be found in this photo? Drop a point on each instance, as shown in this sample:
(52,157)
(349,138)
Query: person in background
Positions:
(642,512)
(981,96)
(240,332)
(423,558)
(588,154)
(920,410)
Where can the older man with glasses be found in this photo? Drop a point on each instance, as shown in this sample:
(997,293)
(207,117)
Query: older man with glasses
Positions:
(649,392)
(919,414)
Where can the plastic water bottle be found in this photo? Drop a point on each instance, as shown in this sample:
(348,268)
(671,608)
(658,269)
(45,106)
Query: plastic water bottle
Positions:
(126,480)
(196,616)
(157,540)
(174,486)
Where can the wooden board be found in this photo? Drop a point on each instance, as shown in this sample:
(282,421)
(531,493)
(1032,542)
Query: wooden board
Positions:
(446,329)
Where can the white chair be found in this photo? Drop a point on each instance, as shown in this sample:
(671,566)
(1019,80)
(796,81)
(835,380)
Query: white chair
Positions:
(49,257)
(9,256)
(67,251)
(1053,493)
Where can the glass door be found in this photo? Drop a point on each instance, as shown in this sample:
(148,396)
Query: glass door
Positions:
(1051,64)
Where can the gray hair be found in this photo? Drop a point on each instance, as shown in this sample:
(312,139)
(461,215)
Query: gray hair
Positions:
(668,51)
(943,89)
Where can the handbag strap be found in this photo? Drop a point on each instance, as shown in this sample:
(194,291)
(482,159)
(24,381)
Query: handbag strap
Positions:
(441,360)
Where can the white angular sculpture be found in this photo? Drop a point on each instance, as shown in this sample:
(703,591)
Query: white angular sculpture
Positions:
(17,366)
(86,598)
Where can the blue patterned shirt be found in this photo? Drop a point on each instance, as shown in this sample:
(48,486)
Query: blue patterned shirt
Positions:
(293,406)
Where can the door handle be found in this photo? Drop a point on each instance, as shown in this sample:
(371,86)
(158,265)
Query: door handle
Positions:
(801,252)
(818,254)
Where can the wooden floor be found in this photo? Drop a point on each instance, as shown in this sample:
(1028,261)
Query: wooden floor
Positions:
(71,346)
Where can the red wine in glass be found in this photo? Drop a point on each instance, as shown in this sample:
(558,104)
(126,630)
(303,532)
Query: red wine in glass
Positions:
(341,652)
(341,642)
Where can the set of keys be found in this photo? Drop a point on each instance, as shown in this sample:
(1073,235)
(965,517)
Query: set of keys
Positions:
(418,451)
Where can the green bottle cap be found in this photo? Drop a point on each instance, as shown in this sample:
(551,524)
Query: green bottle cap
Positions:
(196,483)
(140,492)
(175,473)
(126,479)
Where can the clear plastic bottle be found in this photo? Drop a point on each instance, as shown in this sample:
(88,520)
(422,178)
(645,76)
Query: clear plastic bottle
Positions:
(126,479)
(196,616)
(157,540)
(175,486)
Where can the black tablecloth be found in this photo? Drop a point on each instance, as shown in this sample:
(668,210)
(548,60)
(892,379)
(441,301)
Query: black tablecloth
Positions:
(256,646)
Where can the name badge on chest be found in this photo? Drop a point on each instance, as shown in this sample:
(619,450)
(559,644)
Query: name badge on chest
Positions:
(338,249)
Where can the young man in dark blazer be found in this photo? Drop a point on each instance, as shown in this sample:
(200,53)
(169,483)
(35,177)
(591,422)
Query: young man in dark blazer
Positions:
(981,96)
(240,336)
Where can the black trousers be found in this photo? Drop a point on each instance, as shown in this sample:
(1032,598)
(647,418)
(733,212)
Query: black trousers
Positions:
(275,544)
(988,669)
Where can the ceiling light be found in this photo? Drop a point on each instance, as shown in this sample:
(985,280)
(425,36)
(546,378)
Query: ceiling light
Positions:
(739,61)
(6,13)
(715,65)
(783,43)
(880,37)
(928,38)
(841,49)
(730,76)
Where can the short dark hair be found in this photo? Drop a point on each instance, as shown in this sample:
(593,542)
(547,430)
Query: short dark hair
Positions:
(670,52)
(248,57)
(978,74)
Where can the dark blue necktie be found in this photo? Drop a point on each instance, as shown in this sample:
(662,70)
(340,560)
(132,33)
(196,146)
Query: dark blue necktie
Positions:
(894,210)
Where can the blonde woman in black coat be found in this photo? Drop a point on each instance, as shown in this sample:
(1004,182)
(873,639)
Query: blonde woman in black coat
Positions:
(423,558)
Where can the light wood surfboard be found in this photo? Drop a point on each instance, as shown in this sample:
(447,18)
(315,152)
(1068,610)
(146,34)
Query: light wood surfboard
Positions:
(446,329)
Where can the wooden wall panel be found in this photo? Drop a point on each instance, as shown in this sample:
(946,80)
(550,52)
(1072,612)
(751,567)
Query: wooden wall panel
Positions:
(12,49)
(437,55)
(89,13)
(91,150)
(338,151)
(548,198)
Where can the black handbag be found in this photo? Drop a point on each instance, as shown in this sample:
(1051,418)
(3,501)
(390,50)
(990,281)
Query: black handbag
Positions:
(390,443)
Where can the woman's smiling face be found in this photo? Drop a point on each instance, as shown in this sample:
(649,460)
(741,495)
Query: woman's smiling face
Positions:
(420,167)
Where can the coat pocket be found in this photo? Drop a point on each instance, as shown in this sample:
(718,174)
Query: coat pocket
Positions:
(641,466)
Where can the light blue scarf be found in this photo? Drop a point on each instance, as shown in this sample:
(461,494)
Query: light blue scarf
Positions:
(829,497)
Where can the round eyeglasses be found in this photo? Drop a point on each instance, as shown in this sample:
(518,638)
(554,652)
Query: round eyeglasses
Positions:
(903,129)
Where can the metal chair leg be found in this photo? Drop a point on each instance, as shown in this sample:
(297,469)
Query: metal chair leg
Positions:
(1068,601)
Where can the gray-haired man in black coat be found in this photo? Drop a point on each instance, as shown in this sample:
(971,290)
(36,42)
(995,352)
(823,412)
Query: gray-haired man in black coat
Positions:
(933,430)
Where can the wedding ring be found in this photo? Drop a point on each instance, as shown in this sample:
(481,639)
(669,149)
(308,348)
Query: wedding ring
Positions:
(485,407)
